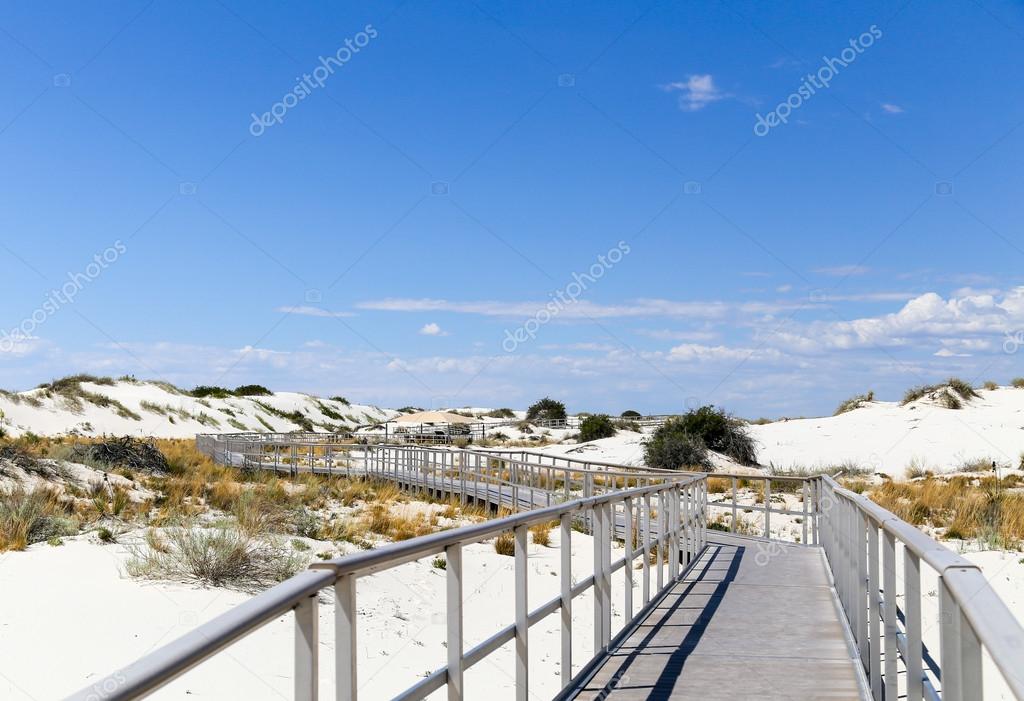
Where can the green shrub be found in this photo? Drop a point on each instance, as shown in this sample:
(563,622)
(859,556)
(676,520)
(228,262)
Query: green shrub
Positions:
(595,427)
(942,394)
(251,391)
(630,414)
(672,447)
(502,413)
(546,409)
(340,400)
(718,431)
(1017,382)
(211,391)
(990,385)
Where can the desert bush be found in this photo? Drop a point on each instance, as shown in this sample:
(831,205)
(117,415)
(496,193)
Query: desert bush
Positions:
(990,385)
(625,425)
(672,447)
(340,400)
(630,414)
(133,453)
(854,402)
(203,391)
(717,430)
(597,426)
(220,556)
(251,391)
(503,413)
(505,544)
(546,409)
(1017,382)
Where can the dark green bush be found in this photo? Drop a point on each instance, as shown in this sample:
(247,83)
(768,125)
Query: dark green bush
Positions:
(673,448)
(630,414)
(203,391)
(501,414)
(252,391)
(717,431)
(546,409)
(595,427)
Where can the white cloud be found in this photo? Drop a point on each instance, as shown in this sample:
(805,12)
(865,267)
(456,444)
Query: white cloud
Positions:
(314,311)
(842,270)
(947,353)
(696,92)
(432,329)
(583,309)
(702,353)
(891,108)
(963,321)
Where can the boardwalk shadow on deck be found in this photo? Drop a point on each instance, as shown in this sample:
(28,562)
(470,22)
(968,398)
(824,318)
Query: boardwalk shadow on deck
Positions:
(662,688)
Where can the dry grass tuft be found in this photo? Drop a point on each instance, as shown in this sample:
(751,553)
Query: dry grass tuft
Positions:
(505,544)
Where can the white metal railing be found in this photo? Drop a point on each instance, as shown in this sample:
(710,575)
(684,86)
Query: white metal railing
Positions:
(647,511)
(665,518)
(862,542)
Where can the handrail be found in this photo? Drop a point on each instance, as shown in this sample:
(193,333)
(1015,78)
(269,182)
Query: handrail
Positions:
(677,523)
(860,539)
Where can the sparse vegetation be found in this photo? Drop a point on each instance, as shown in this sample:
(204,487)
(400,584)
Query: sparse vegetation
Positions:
(1017,382)
(990,385)
(219,556)
(951,394)
(854,402)
(505,544)
(503,413)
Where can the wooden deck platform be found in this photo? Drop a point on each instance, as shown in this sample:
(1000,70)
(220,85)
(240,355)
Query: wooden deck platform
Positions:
(751,620)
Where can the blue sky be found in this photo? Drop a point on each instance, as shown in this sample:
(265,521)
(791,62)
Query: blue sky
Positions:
(462,161)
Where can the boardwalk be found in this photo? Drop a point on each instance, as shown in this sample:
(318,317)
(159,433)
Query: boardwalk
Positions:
(750,620)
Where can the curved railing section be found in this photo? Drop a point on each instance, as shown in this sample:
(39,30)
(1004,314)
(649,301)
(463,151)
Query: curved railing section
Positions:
(868,549)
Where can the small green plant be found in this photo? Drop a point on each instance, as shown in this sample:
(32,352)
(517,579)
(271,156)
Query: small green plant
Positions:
(300,545)
(439,563)
(106,535)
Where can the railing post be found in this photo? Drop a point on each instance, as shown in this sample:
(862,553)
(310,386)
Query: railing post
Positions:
(565,545)
(307,678)
(597,532)
(767,508)
(647,547)
(345,634)
(453,569)
(891,621)
(607,534)
(661,540)
(803,521)
(627,517)
(860,533)
(522,616)
(732,526)
(874,604)
(912,604)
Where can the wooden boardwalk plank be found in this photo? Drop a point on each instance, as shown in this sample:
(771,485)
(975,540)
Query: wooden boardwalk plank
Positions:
(750,620)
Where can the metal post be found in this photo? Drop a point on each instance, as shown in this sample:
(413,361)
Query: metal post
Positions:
(453,568)
(345,631)
(874,603)
(860,533)
(307,678)
(627,518)
(647,547)
(522,617)
(891,622)
(912,603)
(803,522)
(566,598)
(597,531)
(767,508)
